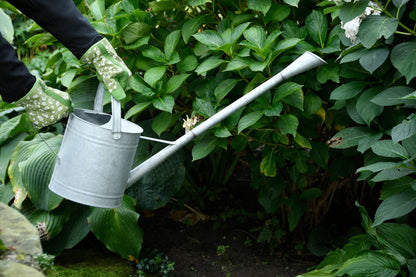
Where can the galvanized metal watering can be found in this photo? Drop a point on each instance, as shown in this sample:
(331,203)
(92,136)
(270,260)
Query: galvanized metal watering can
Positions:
(97,151)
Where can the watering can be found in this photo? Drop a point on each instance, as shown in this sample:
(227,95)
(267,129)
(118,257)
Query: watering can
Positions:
(98,149)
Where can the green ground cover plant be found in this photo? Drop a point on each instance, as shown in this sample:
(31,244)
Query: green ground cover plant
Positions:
(347,127)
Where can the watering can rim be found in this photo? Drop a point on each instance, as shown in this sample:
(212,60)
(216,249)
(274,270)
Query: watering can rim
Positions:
(105,126)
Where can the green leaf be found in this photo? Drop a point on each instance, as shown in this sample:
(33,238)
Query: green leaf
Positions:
(274,110)
(365,143)
(13,126)
(161,122)
(375,167)
(154,74)
(191,26)
(268,164)
(117,228)
(349,11)
(203,107)
(302,141)
(97,9)
(6,152)
(288,124)
(374,58)
(249,120)
(6,193)
(6,26)
(320,153)
(403,57)
(277,12)
(157,6)
(293,3)
(222,132)
(312,103)
(295,99)
(40,39)
(68,76)
(311,193)
(137,109)
(296,212)
(269,194)
(374,27)
(209,64)
(352,112)
(73,231)
(103,28)
(406,129)
(135,31)
(137,44)
(209,38)
(392,174)
(370,264)
(256,37)
(155,54)
(54,220)
(327,72)
(139,85)
(259,5)
(367,109)
(37,171)
(387,148)
(175,82)
(399,238)
(203,147)
(317,27)
(392,96)
(400,3)
(348,90)
(285,90)
(224,88)
(349,137)
(171,42)
(395,206)
(164,104)
(195,3)
(189,63)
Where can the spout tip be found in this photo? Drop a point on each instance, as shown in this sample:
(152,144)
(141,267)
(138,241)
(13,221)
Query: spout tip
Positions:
(314,56)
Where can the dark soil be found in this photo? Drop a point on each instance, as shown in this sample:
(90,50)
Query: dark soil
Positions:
(194,249)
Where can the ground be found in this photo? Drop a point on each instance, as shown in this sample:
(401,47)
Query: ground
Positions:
(199,250)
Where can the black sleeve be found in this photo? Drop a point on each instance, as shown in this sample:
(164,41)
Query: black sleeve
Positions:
(63,20)
(15,79)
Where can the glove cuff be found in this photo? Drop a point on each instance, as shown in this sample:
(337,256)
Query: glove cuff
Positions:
(45,105)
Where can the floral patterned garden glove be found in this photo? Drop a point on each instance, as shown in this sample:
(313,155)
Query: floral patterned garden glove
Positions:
(45,105)
(111,70)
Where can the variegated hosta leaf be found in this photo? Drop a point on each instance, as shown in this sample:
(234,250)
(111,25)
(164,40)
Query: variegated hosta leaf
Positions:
(117,228)
(21,154)
(49,224)
(73,231)
(37,171)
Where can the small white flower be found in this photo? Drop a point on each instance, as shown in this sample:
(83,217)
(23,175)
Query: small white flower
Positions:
(351,27)
(189,123)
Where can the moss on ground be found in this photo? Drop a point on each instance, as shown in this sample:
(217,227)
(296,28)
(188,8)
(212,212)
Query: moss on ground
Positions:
(113,269)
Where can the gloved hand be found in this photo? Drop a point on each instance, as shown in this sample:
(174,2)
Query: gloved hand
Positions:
(111,70)
(45,105)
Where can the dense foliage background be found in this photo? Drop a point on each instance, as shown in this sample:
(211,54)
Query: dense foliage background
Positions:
(315,153)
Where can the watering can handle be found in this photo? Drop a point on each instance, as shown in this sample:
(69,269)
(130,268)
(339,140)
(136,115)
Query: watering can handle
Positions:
(115,109)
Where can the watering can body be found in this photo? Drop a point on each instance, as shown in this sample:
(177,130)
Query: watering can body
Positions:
(98,149)
(94,162)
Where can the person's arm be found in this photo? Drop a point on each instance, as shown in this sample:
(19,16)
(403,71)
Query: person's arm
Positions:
(63,20)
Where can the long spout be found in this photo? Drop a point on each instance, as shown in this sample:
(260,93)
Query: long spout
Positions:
(302,64)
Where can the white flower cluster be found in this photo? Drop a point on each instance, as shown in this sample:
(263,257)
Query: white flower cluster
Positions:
(189,123)
(351,27)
